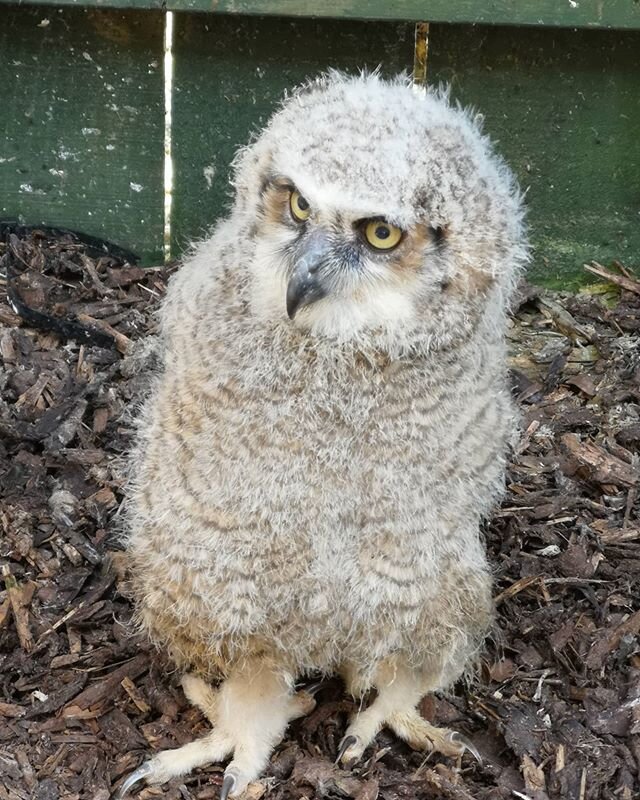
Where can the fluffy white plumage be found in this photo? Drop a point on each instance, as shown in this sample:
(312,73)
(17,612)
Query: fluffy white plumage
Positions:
(309,491)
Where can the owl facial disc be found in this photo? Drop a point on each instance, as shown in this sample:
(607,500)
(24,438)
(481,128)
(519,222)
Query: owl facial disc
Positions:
(307,282)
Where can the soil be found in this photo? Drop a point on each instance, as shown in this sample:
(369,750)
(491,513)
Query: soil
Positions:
(555,711)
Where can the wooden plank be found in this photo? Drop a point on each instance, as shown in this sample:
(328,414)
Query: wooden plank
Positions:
(564,107)
(562,13)
(557,13)
(126,4)
(83,123)
(229,74)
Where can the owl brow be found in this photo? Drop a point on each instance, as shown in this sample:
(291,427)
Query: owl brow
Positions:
(372,218)
(277,182)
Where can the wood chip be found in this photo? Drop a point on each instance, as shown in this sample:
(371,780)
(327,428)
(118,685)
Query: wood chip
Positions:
(11,710)
(98,691)
(20,598)
(600,465)
(130,688)
(584,383)
(28,775)
(5,608)
(563,320)
(533,775)
(610,641)
(619,535)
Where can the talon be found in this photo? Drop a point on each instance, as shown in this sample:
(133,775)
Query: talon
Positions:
(345,744)
(228,785)
(139,775)
(466,744)
(314,688)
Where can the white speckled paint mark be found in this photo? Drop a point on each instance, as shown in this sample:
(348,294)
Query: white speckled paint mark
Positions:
(209,174)
(137,187)
(66,155)
(27,188)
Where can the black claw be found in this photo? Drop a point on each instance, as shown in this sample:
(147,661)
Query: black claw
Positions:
(314,688)
(468,745)
(228,783)
(139,775)
(345,744)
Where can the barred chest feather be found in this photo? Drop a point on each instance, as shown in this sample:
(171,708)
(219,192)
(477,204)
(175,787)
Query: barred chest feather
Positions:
(308,498)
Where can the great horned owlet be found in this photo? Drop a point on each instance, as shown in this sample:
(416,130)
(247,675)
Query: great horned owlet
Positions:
(330,424)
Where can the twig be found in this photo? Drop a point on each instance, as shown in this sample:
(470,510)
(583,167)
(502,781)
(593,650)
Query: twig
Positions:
(620,280)
(517,587)
(122,342)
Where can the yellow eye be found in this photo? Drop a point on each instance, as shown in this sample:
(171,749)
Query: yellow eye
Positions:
(300,209)
(381,235)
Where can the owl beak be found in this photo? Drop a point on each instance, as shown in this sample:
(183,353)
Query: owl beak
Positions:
(306,284)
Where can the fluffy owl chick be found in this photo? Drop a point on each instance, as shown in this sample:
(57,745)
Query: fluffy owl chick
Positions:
(330,424)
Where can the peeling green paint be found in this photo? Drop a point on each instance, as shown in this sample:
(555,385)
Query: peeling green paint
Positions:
(81,144)
(83,139)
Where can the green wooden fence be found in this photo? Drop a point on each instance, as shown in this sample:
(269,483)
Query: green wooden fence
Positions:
(84,111)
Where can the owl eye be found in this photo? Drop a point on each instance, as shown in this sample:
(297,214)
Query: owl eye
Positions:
(381,235)
(299,207)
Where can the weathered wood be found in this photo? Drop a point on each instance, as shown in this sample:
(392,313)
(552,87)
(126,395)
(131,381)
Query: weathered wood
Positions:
(106,4)
(83,139)
(556,13)
(587,13)
(564,109)
(82,123)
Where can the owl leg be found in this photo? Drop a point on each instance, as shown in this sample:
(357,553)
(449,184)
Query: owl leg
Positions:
(256,705)
(215,746)
(356,682)
(399,691)
(250,712)
(200,694)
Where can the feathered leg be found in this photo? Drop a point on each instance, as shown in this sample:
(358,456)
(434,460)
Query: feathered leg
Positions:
(250,712)
(400,689)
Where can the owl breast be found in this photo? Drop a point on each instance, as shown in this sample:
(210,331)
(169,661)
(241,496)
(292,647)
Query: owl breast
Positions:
(323,517)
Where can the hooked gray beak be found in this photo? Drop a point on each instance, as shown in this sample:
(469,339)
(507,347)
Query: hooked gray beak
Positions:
(306,282)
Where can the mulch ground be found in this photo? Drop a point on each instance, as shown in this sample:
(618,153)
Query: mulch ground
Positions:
(556,710)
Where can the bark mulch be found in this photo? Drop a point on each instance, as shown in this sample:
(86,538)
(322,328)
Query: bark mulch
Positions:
(555,712)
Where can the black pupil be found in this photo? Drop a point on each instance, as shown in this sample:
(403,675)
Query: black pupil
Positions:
(302,203)
(382,232)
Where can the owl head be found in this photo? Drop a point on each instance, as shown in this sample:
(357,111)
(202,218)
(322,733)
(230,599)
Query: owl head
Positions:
(373,210)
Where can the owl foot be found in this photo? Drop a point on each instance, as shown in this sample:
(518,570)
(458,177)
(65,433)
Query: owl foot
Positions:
(421,735)
(407,725)
(349,751)
(250,716)
(229,783)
